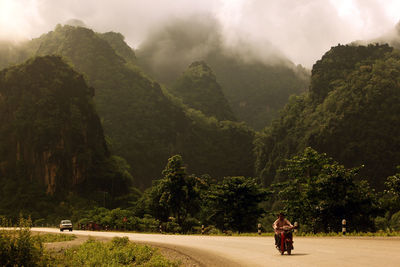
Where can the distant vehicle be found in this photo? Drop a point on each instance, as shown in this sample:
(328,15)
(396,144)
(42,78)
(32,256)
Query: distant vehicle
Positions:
(66,225)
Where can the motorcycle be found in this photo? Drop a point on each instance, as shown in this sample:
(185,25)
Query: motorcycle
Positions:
(286,240)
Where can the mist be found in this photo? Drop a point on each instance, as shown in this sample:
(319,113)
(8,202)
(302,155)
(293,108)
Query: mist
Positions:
(302,30)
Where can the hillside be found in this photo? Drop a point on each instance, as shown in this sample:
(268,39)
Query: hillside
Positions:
(351,113)
(255,87)
(198,88)
(143,124)
(137,117)
(117,42)
(51,137)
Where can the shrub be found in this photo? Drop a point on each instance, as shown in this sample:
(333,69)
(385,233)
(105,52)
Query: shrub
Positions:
(381,223)
(19,248)
(395,221)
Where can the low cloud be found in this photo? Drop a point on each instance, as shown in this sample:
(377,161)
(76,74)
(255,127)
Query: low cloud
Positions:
(302,30)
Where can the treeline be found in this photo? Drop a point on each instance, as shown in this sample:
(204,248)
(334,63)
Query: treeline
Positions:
(319,193)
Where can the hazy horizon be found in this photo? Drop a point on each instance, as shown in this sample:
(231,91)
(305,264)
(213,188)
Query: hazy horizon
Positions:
(302,30)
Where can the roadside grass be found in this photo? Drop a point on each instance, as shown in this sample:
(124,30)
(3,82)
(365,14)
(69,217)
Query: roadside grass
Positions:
(50,238)
(117,252)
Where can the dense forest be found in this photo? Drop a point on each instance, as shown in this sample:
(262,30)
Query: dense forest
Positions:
(191,144)
(350,113)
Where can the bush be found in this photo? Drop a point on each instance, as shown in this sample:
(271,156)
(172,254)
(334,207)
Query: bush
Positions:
(395,221)
(212,230)
(148,224)
(381,223)
(171,227)
(19,248)
(120,241)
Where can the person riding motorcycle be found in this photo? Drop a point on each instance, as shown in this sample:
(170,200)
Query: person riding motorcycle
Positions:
(278,228)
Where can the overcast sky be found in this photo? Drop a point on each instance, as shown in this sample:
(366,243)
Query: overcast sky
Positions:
(302,29)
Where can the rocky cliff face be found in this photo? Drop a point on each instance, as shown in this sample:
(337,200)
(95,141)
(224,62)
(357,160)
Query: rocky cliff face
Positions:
(49,129)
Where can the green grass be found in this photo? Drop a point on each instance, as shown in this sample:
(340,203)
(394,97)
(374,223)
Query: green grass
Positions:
(50,238)
(118,252)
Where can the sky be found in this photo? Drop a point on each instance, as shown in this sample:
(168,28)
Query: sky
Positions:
(303,30)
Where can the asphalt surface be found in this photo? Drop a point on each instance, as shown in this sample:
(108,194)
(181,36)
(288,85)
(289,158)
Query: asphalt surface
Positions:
(260,251)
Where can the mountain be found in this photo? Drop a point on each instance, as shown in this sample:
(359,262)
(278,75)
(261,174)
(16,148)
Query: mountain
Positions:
(135,114)
(199,89)
(51,137)
(117,41)
(144,123)
(350,113)
(256,86)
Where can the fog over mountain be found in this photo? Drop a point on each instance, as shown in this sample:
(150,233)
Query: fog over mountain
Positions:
(302,30)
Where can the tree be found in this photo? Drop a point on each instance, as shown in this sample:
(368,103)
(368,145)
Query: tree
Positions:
(393,183)
(175,194)
(390,203)
(234,203)
(320,193)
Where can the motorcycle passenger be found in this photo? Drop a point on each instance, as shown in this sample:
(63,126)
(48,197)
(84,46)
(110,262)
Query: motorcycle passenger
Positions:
(278,228)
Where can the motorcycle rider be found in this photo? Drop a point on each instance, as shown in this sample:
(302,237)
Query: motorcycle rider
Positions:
(278,228)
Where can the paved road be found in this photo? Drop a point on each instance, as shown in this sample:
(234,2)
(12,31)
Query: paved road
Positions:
(260,251)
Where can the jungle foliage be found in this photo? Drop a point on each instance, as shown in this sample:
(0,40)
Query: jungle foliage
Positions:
(51,138)
(145,127)
(319,193)
(350,113)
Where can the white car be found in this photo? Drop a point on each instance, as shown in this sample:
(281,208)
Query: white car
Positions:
(66,225)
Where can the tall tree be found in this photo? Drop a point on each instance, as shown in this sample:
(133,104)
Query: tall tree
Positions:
(234,203)
(320,193)
(175,194)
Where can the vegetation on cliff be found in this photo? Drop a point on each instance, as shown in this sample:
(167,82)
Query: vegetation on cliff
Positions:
(51,138)
(350,113)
